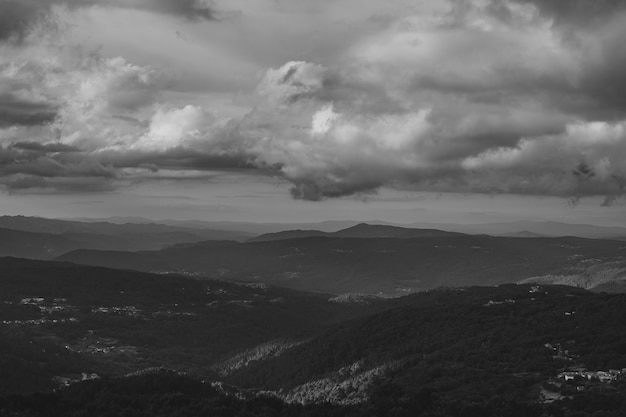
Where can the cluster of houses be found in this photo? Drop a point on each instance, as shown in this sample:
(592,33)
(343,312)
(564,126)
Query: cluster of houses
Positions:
(47,307)
(98,345)
(52,306)
(38,322)
(130,311)
(495,303)
(579,373)
(609,376)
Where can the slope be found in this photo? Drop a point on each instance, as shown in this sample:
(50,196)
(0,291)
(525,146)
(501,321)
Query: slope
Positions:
(475,343)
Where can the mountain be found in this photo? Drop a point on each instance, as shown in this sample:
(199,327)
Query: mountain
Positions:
(127,236)
(58,320)
(288,234)
(523,233)
(390,266)
(249,228)
(364,230)
(361,230)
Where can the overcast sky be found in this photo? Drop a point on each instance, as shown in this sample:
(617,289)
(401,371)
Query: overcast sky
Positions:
(305,110)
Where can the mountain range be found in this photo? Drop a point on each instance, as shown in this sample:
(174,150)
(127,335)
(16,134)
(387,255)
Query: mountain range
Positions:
(376,265)
(542,228)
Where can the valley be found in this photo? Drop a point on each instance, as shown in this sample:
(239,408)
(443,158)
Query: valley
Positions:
(369,320)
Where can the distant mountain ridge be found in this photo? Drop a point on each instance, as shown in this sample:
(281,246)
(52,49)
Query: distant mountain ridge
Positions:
(44,225)
(547,228)
(544,228)
(385,265)
(40,238)
(361,230)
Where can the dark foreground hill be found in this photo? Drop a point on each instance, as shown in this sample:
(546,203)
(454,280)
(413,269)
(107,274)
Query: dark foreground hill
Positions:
(59,321)
(373,265)
(498,351)
(509,342)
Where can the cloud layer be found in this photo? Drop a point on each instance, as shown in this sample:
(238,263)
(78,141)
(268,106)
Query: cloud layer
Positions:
(487,96)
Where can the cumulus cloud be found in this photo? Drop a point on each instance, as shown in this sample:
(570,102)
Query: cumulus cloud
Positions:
(446,146)
(488,96)
(586,159)
(172,127)
(58,104)
(78,94)
(292,82)
(474,96)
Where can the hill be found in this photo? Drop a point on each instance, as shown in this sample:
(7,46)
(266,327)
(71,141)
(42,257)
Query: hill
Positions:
(390,266)
(518,351)
(59,320)
(475,343)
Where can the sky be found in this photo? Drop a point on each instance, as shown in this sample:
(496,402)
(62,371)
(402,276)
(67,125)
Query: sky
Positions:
(465,111)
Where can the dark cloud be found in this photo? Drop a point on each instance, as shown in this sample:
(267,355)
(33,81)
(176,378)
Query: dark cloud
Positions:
(50,147)
(18,111)
(32,184)
(177,158)
(52,167)
(579,12)
(131,120)
(609,200)
(312,191)
(189,9)
(17,17)
(604,80)
(583,172)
